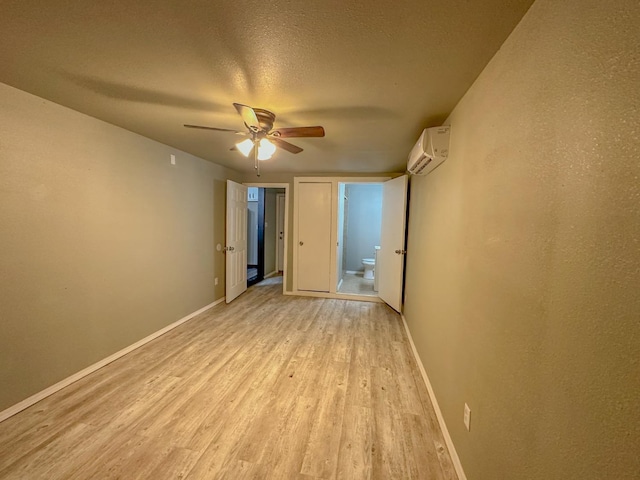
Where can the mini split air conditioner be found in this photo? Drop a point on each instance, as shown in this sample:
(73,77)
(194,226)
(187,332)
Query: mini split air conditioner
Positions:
(431,150)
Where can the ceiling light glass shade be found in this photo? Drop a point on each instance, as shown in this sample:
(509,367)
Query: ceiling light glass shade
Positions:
(245,146)
(266,149)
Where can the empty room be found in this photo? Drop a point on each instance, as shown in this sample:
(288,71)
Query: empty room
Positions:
(320,240)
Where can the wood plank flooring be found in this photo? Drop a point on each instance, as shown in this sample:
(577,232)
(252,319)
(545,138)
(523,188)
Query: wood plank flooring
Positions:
(356,284)
(270,386)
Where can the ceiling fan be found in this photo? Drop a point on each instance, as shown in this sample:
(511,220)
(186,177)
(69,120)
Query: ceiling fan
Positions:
(263,138)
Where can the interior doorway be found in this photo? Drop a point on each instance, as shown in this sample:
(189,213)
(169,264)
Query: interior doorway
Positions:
(359,232)
(255,235)
(266,232)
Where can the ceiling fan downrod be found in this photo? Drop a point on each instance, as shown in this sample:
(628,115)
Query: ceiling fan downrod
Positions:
(255,158)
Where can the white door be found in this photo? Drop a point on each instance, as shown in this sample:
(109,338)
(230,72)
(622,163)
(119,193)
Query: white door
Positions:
(340,242)
(314,236)
(236,249)
(390,264)
(280,231)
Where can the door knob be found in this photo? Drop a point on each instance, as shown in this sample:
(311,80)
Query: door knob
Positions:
(401,252)
(231,249)
(301,243)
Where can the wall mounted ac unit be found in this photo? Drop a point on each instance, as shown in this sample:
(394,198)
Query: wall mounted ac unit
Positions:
(430,151)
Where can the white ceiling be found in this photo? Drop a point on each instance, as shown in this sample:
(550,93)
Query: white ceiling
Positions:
(373,73)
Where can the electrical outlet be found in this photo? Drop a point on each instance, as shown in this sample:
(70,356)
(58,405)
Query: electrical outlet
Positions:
(215,281)
(467,417)
(173,159)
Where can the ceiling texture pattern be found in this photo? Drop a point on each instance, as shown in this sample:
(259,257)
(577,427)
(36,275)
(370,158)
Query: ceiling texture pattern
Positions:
(373,73)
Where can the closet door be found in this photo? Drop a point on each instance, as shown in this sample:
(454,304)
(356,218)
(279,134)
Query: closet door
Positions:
(314,236)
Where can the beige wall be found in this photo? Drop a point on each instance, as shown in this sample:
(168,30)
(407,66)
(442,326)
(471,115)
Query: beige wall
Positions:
(523,277)
(102,241)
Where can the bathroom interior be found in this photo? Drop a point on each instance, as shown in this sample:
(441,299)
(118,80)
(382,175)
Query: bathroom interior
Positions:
(359,229)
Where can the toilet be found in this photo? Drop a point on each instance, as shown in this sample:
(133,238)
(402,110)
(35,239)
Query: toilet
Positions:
(369,264)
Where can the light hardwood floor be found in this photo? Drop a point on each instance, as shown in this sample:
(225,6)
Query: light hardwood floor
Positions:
(270,386)
(355,283)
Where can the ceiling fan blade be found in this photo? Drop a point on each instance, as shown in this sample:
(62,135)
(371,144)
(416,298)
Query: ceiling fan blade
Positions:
(291,132)
(289,147)
(213,128)
(248,116)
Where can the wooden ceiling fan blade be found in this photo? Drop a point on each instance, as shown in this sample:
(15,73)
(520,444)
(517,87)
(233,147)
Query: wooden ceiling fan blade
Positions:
(289,147)
(213,128)
(291,132)
(248,116)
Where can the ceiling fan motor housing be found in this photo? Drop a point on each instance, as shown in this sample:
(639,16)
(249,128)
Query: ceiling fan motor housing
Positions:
(265,118)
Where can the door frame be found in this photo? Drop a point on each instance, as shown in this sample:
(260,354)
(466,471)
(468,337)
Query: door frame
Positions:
(280,215)
(260,239)
(333,293)
(286,222)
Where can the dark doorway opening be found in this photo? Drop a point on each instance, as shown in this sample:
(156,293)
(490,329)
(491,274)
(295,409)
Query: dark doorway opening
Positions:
(265,233)
(255,218)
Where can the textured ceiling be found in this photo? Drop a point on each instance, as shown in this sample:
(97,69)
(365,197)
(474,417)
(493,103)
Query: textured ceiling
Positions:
(373,73)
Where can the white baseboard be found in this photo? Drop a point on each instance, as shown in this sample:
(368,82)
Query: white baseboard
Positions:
(18,407)
(275,272)
(337,296)
(443,426)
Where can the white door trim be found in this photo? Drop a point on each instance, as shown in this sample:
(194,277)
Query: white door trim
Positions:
(279,216)
(338,296)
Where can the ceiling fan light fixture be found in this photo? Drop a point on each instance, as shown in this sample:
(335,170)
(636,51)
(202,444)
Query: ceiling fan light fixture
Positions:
(266,149)
(259,124)
(245,146)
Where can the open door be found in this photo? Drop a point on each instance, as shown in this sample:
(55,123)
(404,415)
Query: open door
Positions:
(390,264)
(236,239)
